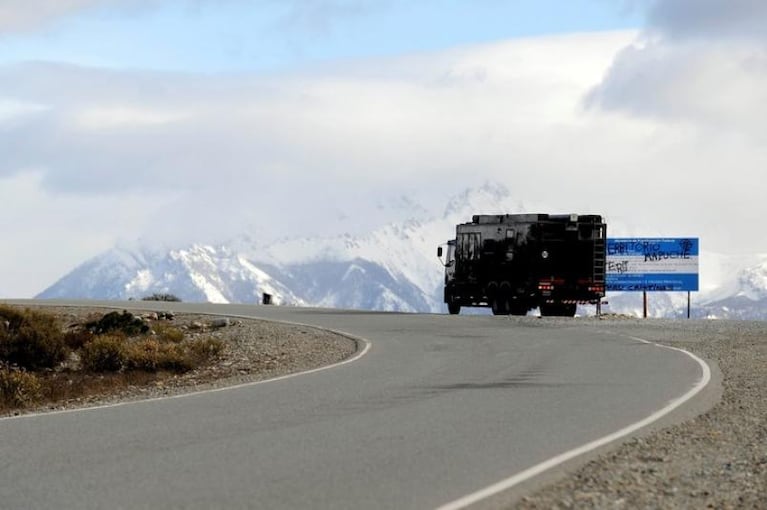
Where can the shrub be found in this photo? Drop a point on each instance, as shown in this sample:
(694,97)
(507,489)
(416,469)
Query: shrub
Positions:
(174,357)
(142,355)
(77,338)
(151,355)
(124,322)
(161,297)
(104,353)
(205,349)
(30,339)
(169,334)
(18,388)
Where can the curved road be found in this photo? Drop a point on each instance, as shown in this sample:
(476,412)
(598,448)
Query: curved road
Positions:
(439,407)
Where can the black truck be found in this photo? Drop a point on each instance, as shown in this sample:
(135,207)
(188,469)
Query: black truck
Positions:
(514,263)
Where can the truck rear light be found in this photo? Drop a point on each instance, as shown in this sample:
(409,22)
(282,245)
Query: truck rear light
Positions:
(597,288)
(545,286)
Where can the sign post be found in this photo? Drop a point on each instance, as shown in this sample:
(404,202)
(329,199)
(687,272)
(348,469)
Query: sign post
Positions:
(644,304)
(653,265)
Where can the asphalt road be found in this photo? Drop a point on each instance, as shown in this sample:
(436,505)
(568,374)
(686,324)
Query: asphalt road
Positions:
(438,408)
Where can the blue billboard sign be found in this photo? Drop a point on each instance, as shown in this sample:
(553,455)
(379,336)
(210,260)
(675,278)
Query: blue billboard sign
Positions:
(652,264)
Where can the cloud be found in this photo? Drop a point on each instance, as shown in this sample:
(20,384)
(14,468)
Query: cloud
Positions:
(197,156)
(313,15)
(19,15)
(709,18)
(713,86)
(701,62)
(51,233)
(376,124)
(293,153)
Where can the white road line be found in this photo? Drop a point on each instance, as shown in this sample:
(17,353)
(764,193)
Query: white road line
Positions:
(537,469)
(366,347)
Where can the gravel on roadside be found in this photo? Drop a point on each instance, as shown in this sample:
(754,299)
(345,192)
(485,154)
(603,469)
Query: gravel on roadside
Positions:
(715,460)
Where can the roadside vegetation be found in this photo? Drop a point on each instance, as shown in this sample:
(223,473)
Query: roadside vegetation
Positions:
(161,297)
(43,361)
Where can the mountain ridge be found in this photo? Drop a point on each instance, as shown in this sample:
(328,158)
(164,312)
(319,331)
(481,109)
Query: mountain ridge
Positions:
(392,268)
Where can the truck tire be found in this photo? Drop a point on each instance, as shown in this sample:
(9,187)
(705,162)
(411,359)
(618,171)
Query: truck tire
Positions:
(453,308)
(500,306)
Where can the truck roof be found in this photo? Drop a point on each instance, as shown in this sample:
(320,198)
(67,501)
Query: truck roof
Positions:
(507,219)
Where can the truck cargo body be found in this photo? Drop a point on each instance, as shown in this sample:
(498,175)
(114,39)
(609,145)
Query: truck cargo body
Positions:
(514,263)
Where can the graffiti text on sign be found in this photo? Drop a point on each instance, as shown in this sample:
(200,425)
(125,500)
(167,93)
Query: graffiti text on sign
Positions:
(618,267)
(639,287)
(632,247)
(655,253)
(652,251)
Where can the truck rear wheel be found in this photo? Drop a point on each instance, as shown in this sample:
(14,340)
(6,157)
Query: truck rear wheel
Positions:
(500,306)
(453,308)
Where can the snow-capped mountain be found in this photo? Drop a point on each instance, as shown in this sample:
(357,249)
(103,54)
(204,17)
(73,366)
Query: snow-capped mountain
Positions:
(391,268)
(196,273)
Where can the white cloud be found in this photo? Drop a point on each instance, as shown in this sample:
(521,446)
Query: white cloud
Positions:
(121,117)
(46,235)
(315,152)
(698,61)
(372,123)
(720,86)
(698,75)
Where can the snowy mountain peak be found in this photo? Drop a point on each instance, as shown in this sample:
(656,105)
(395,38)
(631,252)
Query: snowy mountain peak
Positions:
(753,282)
(490,198)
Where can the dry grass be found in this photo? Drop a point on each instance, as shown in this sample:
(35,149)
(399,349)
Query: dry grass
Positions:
(18,388)
(41,363)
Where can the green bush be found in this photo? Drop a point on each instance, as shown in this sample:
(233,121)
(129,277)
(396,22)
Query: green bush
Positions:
(124,322)
(18,388)
(161,297)
(105,353)
(29,339)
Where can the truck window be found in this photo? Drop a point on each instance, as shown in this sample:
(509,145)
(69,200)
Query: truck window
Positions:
(450,255)
(469,246)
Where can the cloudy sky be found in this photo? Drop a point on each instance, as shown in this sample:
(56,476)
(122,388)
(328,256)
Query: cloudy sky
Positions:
(182,120)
